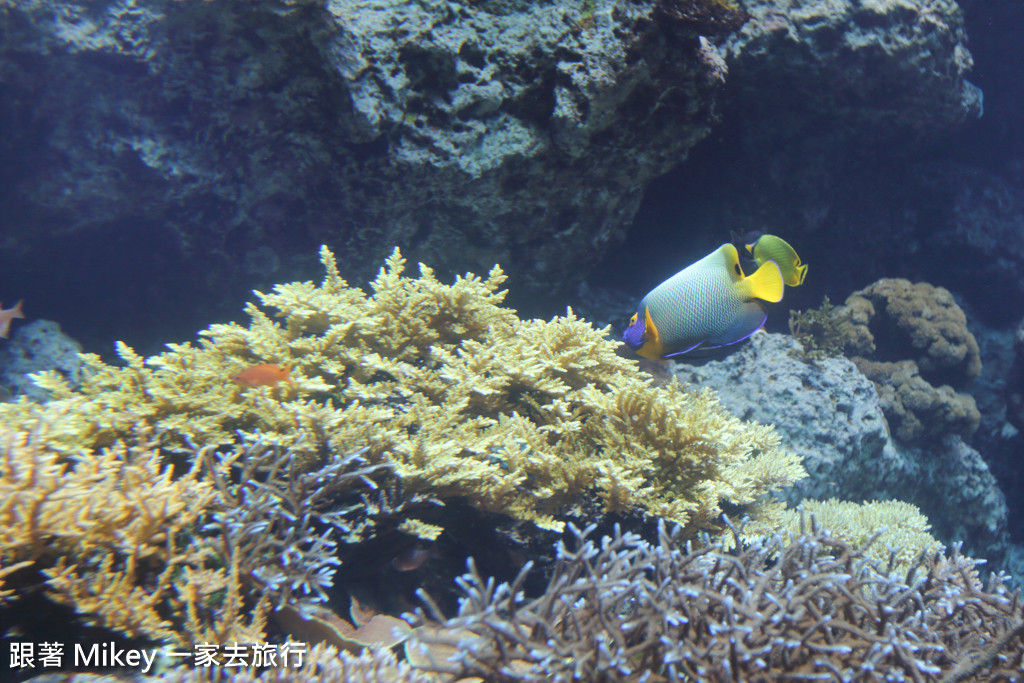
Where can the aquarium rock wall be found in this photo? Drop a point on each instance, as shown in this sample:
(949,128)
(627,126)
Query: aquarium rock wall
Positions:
(228,140)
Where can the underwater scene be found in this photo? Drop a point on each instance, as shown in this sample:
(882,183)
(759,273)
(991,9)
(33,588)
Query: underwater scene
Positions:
(472,341)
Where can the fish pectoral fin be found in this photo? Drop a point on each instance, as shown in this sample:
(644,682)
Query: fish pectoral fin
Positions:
(801,273)
(750,319)
(765,283)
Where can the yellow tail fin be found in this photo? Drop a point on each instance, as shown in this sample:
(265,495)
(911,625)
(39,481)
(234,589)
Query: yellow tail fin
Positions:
(766,282)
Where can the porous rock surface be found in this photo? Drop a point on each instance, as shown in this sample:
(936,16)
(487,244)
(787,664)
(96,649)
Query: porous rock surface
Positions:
(516,132)
(829,413)
(230,138)
(37,346)
(886,66)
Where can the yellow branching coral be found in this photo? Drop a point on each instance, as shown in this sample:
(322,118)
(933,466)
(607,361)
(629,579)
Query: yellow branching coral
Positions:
(457,394)
(120,499)
(108,529)
(900,527)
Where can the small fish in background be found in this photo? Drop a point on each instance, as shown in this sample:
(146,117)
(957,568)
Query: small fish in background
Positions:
(266,375)
(6,316)
(772,248)
(708,304)
(413,557)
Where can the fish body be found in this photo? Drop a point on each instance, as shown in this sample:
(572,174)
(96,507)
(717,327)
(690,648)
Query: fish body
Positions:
(267,375)
(708,304)
(771,248)
(413,557)
(7,316)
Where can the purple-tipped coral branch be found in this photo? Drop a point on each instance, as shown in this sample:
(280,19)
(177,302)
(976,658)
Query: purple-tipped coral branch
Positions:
(281,521)
(802,607)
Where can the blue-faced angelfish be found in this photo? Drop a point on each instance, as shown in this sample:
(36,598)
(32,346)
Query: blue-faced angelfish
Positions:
(707,304)
(772,248)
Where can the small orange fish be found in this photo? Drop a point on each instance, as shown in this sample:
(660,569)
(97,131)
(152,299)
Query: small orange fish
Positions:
(7,316)
(267,375)
(413,557)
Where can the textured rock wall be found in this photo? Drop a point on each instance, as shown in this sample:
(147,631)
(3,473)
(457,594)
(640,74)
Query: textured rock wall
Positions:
(883,68)
(515,132)
(223,140)
(830,414)
(36,347)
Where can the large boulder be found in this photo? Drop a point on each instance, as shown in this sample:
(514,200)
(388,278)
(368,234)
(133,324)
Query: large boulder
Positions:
(830,414)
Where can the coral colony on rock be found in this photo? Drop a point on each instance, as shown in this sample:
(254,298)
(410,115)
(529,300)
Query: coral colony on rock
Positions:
(174,515)
(414,481)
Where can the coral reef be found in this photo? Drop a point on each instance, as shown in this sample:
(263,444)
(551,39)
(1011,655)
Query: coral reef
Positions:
(416,395)
(907,338)
(455,393)
(806,606)
(882,530)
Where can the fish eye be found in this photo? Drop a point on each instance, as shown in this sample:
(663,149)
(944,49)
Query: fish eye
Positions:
(632,321)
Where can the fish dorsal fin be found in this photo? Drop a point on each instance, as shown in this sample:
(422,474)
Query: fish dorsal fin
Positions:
(765,283)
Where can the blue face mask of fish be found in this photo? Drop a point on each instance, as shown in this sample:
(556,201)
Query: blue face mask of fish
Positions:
(636,334)
(708,304)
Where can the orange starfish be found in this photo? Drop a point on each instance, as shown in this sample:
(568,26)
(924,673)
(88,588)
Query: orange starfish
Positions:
(7,316)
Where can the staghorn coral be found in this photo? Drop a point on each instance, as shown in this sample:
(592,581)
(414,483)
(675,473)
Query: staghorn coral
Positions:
(282,524)
(806,607)
(912,341)
(106,532)
(456,394)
